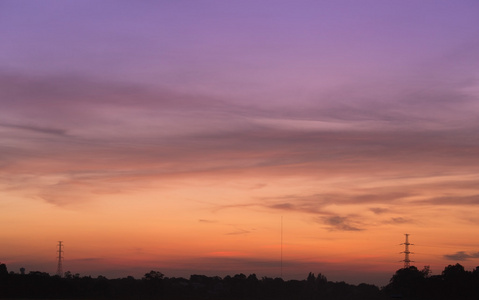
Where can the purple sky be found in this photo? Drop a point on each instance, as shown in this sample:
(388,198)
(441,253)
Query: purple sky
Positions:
(349,115)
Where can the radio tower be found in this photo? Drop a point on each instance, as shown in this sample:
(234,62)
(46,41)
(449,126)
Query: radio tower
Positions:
(406,252)
(60,258)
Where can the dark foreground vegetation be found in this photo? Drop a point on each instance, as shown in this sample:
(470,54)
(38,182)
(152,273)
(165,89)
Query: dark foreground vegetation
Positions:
(408,283)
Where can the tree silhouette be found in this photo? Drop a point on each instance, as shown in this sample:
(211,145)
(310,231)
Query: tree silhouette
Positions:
(407,282)
(3,270)
(153,275)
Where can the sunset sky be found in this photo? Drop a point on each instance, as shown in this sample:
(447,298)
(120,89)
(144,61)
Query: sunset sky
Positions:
(210,136)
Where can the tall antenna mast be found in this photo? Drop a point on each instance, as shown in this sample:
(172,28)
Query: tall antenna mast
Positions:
(406,252)
(60,258)
(281,246)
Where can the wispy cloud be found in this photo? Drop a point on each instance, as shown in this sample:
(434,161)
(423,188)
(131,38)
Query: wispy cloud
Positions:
(362,196)
(37,129)
(339,223)
(379,210)
(452,200)
(207,221)
(131,132)
(398,221)
(238,231)
(310,207)
(461,256)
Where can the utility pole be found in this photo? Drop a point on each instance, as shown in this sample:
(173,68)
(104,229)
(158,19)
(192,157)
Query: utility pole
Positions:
(406,252)
(60,258)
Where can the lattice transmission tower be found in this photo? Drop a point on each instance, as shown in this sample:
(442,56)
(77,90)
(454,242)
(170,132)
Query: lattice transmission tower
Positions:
(407,261)
(60,259)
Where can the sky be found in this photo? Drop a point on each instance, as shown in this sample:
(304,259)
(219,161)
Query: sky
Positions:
(224,137)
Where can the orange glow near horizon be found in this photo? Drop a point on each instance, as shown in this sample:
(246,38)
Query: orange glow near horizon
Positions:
(130,231)
(133,230)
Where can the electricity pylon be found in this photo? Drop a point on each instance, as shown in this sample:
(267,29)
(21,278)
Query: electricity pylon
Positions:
(60,258)
(406,252)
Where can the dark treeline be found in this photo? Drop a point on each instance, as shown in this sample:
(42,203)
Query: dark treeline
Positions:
(408,283)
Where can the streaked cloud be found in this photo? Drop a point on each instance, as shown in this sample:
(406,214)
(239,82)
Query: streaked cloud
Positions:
(379,210)
(399,220)
(453,200)
(207,221)
(35,129)
(238,231)
(340,223)
(461,256)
